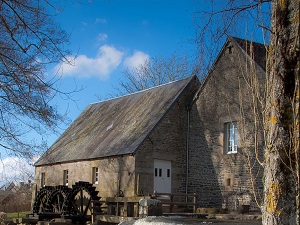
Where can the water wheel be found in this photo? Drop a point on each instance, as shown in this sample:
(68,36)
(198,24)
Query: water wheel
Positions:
(77,205)
(40,204)
(56,199)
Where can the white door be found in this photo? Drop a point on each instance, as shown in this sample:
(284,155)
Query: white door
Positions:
(162,176)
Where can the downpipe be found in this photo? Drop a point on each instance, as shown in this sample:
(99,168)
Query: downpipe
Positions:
(187,154)
(187,150)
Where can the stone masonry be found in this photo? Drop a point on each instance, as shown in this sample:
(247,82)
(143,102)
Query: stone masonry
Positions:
(224,180)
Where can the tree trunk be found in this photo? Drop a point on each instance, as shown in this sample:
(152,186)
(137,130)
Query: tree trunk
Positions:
(281,117)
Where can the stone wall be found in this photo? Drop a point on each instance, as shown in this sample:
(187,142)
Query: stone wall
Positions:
(115,173)
(225,180)
(167,142)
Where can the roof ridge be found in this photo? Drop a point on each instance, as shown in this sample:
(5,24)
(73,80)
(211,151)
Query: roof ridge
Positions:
(245,40)
(141,91)
(259,50)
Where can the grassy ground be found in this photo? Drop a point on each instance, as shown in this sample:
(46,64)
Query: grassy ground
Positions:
(17,215)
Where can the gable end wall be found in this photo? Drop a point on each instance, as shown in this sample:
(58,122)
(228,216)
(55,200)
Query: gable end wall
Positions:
(223,180)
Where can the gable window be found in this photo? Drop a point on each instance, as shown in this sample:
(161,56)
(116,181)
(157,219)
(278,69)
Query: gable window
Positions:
(43,179)
(95,175)
(66,177)
(231,131)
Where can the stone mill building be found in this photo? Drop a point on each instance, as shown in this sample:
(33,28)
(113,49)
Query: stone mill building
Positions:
(186,136)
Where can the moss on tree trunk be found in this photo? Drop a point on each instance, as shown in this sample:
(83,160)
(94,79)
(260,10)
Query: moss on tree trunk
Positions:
(281,117)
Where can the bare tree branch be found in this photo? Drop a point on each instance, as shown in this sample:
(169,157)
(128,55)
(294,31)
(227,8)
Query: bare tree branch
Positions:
(29,42)
(155,71)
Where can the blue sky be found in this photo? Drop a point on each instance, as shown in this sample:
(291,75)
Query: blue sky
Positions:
(109,36)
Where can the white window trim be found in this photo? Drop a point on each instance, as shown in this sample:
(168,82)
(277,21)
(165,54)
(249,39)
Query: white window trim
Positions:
(228,139)
(66,177)
(95,175)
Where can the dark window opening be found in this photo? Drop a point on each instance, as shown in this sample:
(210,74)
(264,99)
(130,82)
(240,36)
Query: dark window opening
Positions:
(228,182)
(43,180)
(168,173)
(66,177)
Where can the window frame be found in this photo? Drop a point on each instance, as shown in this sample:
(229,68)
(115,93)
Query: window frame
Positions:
(159,172)
(168,173)
(95,175)
(43,179)
(231,136)
(66,177)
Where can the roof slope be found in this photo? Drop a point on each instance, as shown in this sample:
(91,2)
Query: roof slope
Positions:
(252,50)
(114,127)
(256,51)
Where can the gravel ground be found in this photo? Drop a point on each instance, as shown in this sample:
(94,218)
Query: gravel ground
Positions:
(222,219)
(189,221)
(220,222)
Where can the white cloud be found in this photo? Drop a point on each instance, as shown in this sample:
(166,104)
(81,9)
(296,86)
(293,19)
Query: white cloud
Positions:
(107,60)
(16,170)
(137,59)
(102,37)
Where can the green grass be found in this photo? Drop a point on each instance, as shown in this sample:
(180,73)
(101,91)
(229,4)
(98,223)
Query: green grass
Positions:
(17,215)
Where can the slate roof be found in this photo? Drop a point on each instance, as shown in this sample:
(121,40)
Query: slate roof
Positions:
(258,53)
(115,127)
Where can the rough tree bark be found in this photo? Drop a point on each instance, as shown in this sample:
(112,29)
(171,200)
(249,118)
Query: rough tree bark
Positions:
(281,117)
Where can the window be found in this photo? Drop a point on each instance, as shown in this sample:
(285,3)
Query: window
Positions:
(228,182)
(95,175)
(231,137)
(160,172)
(66,177)
(43,179)
(168,172)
